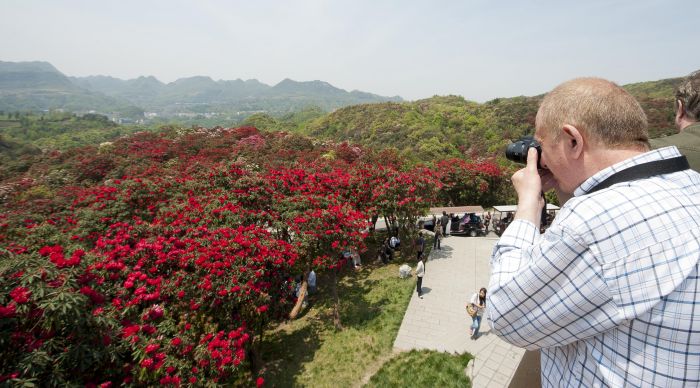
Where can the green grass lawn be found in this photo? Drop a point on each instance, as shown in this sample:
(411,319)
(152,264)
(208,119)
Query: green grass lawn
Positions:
(309,351)
(423,369)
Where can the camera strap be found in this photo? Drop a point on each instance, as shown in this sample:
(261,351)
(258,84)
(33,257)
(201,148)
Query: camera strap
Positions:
(644,170)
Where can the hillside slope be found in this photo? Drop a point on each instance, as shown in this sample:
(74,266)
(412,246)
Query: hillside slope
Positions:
(656,97)
(454,126)
(431,128)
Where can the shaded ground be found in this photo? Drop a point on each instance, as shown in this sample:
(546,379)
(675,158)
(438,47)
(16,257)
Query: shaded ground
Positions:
(309,351)
(528,373)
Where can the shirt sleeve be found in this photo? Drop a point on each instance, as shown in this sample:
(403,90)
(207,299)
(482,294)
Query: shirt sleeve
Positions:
(546,290)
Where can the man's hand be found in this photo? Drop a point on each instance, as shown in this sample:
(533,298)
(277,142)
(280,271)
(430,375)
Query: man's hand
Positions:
(528,185)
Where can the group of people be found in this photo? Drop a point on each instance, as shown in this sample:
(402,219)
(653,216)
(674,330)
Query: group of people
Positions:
(440,229)
(610,293)
(388,248)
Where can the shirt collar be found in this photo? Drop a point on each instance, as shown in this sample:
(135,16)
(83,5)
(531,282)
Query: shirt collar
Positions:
(659,154)
(695,127)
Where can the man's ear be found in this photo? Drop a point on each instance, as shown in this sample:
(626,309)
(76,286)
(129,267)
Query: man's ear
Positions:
(574,140)
(680,111)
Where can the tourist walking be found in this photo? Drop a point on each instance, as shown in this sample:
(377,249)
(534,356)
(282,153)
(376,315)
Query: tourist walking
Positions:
(420,271)
(478,303)
(438,237)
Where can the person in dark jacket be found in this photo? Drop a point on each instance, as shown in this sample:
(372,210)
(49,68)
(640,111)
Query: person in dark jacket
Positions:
(444,220)
(420,246)
(687,120)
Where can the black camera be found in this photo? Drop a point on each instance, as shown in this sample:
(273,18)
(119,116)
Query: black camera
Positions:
(517,151)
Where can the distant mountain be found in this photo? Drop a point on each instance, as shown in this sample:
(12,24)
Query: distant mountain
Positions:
(136,90)
(32,75)
(288,88)
(203,94)
(39,86)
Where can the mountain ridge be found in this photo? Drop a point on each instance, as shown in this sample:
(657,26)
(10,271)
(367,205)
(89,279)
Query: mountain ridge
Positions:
(40,86)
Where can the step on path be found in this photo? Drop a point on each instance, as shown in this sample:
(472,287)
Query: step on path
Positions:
(440,322)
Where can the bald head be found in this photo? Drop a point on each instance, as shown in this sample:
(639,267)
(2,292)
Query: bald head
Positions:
(600,109)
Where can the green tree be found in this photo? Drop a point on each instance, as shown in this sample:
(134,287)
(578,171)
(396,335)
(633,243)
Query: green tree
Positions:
(261,121)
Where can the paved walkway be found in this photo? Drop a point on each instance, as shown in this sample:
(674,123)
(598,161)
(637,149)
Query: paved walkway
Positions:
(440,322)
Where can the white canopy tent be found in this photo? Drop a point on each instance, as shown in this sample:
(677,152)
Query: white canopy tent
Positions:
(456,210)
(512,208)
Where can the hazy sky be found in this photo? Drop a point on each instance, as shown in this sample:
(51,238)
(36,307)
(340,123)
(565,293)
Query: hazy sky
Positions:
(415,49)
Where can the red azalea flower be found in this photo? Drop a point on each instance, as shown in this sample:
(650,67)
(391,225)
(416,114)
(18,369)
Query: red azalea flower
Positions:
(156,312)
(150,348)
(147,363)
(130,330)
(7,311)
(20,295)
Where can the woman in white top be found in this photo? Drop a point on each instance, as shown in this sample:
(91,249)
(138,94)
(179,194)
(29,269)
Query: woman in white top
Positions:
(420,271)
(478,302)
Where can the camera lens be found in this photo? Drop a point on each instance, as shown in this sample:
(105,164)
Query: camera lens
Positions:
(517,151)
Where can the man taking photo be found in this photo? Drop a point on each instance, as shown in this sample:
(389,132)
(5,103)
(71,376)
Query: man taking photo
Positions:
(610,292)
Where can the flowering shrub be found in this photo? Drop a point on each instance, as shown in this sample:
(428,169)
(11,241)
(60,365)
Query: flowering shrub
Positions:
(466,183)
(168,302)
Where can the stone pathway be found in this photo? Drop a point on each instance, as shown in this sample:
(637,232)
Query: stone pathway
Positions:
(440,322)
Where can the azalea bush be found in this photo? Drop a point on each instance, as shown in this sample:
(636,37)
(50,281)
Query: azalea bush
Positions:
(481,182)
(161,302)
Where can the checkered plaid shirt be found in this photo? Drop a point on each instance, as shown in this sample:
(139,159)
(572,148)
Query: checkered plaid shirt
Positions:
(610,292)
